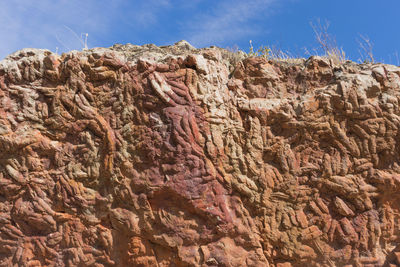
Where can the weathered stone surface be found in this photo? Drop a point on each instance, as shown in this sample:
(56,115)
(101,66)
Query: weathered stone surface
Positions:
(175,156)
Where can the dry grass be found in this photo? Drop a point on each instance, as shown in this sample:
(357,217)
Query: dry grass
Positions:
(276,53)
(263,51)
(234,55)
(365,50)
(328,47)
(327,42)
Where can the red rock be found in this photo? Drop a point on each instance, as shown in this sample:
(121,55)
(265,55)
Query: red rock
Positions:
(301,218)
(176,156)
(397,255)
(284,264)
(311,233)
(342,207)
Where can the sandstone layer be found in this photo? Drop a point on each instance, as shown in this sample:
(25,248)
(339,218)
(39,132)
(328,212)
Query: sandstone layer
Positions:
(175,156)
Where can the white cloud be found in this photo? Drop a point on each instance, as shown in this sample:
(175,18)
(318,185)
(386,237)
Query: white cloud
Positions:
(40,23)
(228,21)
(45,23)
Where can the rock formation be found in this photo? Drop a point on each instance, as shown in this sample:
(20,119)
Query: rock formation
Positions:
(176,156)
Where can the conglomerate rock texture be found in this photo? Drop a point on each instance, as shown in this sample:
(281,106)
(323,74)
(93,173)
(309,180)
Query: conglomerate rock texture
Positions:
(175,156)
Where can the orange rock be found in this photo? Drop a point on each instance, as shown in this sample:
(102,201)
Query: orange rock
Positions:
(176,156)
(342,208)
(397,255)
(301,218)
(284,264)
(311,233)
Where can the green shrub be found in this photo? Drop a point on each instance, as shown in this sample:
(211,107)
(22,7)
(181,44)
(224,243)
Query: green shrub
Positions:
(263,51)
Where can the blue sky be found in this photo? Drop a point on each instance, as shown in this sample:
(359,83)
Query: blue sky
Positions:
(58,24)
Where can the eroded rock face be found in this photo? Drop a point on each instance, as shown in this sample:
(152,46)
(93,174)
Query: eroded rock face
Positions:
(172,156)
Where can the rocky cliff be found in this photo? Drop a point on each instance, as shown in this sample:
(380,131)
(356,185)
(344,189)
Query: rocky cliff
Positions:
(175,156)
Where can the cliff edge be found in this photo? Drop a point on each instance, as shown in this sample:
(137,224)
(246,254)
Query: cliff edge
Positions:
(176,156)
